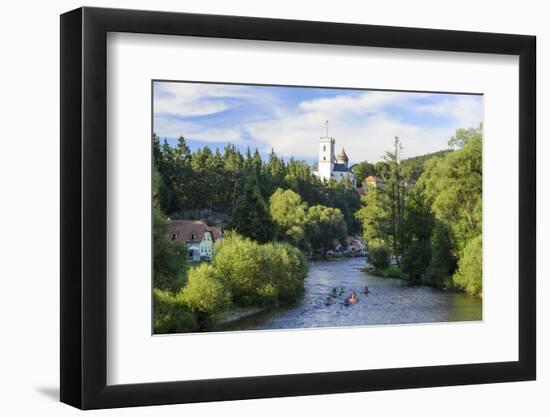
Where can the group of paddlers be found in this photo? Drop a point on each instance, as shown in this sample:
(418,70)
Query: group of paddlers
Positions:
(349,300)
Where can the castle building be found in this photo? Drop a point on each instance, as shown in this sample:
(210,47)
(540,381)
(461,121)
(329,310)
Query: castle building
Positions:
(331,166)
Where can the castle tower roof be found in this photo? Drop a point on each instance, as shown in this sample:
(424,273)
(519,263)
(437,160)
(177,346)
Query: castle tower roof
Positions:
(342,157)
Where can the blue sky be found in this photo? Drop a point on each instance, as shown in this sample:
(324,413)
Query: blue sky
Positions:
(291,119)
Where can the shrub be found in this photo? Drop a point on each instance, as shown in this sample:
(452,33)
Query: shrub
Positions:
(288,268)
(469,274)
(378,253)
(267,296)
(260,274)
(242,264)
(171,315)
(205,293)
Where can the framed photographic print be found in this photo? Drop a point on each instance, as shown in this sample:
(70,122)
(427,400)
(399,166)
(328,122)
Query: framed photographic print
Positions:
(258,207)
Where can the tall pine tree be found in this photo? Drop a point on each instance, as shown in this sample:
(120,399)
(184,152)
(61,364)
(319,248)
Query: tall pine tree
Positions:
(251,216)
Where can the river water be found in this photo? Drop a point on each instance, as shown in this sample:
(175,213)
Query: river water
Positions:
(390,301)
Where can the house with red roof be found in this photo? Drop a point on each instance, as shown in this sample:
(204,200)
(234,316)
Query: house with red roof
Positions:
(198,237)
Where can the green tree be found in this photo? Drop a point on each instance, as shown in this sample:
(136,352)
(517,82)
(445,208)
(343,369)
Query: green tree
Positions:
(394,188)
(205,293)
(453,186)
(463,136)
(417,227)
(362,170)
(168,257)
(260,273)
(470,267)
(251,214)
(171,315)
(443,256)
(344,196)
(241,262)
(414,167)
(273,174)
(378,253)
(375,216)
(326,225)
(288,268)
(300,180)
(289,216)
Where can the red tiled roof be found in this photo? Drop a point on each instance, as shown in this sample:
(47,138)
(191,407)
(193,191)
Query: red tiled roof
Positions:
(216,232)
(191,231)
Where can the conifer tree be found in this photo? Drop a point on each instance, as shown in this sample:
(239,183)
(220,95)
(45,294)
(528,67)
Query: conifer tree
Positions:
(251,214)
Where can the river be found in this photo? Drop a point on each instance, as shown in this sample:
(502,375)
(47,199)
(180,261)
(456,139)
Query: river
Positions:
(390,301)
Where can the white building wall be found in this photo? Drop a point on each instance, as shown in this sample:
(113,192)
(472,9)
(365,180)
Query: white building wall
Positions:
(339,175)
(206,245)
(326,158)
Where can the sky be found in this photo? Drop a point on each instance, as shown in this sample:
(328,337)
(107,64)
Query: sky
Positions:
(290,120)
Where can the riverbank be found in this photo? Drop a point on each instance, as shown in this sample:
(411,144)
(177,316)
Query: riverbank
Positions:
(235,314)
(394,272)
(334,256)
(391,271)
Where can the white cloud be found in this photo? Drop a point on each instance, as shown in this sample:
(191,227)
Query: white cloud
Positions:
(363,123)
(465,111)
(368,140)
(362,127)
(357,104)
(167,127)
(193,99)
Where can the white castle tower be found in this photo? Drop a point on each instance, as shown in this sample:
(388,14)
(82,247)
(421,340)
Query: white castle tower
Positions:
(326,156)
(330,166)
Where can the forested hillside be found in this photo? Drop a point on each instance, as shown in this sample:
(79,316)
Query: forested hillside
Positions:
(241,186)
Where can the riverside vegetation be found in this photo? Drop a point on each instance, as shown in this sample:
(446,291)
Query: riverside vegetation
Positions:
(425,216)
(429,220)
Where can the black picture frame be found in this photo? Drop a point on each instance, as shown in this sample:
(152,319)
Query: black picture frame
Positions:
(84,207)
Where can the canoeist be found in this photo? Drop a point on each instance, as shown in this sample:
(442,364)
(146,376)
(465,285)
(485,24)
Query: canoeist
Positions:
(352,298)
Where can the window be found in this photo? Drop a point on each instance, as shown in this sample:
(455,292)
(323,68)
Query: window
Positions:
(324,158)
(193,236)
(174,236)
(324,148)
